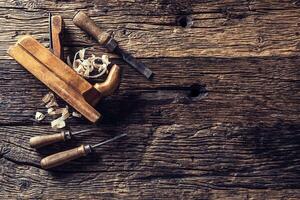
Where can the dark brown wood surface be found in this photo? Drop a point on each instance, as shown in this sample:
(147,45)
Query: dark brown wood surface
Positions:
(220,120)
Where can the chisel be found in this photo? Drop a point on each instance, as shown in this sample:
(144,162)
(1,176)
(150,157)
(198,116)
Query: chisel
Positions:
(44,140)
(88,25)
(72,154)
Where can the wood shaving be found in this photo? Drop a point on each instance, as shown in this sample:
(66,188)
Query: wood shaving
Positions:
(92,67)
(69,61)
(76,114)
(39,116)
(53,109)
(48,97)
(52,103)
(65,113)
(58,123)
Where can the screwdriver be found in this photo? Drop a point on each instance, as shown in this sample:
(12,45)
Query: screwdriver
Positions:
(81,20)
(72,154)
(44,140)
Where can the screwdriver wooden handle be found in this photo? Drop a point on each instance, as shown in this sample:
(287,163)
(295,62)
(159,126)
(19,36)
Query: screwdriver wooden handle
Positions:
(43,140)
(65,156)
(81,20)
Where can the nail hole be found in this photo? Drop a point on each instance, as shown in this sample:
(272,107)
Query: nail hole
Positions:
(105,10)
(197,90)
(185,21)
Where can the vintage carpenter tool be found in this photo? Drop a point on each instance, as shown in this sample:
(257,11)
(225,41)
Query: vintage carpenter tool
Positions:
(63,80)
(56,25)
(44,140)
(85,23)
(66,156)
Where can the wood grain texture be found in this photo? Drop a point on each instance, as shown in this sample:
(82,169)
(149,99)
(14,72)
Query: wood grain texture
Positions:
(220,120)
(246,89)
(222,28)
(190,161)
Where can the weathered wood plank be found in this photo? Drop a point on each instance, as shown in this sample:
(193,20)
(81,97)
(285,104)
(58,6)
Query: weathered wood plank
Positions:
(204,128)
(186,160)
(230,29)
(255,89)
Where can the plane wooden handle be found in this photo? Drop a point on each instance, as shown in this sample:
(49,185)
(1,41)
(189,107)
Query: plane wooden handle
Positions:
(111,83)
(57,27)
(65,156)
(43,140)
(81,20)
(108,87)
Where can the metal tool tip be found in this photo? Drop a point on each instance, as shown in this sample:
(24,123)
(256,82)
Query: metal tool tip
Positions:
(110,140)
(149,74)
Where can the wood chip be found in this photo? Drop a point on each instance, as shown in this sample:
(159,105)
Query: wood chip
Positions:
(57,111)
(52,103)
(76,114)
(50,111)
(39,116)
(54,110)
(65,113)
(58,123)
(48,97)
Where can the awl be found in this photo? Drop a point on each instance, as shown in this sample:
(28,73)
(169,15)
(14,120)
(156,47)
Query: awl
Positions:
(72,154)
(88,25)
(44,140)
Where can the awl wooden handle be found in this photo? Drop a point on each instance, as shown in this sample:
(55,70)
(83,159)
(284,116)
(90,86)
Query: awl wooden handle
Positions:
(88,25)
(65,156)
(43,140)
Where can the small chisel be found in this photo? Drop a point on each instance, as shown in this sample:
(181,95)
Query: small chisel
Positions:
(88,25)
(44,140)
(66,156)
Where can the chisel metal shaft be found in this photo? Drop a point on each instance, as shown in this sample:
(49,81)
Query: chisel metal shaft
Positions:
(72,154)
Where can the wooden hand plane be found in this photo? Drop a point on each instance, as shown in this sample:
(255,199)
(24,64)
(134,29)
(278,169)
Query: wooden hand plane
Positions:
(62,79)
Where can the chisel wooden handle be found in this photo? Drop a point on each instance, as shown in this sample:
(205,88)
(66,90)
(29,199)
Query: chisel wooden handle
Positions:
(65,156)
(81,20)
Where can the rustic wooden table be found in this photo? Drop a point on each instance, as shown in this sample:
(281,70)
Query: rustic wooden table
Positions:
(220,120)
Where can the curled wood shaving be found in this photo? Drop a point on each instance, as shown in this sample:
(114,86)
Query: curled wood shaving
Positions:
(92,67)
(39,116)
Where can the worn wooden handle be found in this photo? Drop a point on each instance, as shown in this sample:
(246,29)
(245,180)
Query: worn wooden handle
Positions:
(111,83)
(65,156)
(106,88)
(88,25)
(57,28)
(43,140)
